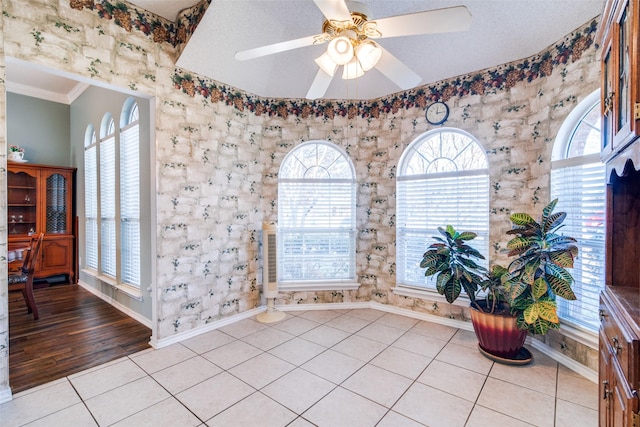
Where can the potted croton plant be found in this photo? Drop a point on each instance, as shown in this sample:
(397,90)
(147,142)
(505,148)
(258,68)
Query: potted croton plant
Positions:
(508,303)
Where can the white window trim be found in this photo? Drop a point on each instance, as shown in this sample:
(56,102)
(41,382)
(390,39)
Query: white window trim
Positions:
(109,131)
(329,285)
(569,328)
(428,291)
(131,291)
(325,285)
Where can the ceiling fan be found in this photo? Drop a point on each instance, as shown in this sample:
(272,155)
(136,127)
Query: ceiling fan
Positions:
(349,32)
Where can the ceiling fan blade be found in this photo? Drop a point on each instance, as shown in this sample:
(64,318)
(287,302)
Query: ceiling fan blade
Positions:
(396,71)
(445,20)
(334,9)
(258,52)
(320,85)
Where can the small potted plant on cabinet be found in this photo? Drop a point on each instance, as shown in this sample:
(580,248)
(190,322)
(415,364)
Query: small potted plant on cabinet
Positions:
(508,303)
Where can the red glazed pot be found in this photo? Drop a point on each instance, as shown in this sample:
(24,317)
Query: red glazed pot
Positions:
(498,334)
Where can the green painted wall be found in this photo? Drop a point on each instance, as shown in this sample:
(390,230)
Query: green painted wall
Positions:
(41,127)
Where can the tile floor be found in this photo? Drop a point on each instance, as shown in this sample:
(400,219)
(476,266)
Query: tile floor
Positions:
(315,368)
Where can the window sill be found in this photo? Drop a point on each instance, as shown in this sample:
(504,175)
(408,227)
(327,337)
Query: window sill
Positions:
(128,290)
(579,334)
(317,286)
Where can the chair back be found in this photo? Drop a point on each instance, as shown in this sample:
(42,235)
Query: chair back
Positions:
(30,259)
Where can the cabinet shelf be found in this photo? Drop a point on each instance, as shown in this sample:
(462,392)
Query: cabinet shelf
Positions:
(20,187)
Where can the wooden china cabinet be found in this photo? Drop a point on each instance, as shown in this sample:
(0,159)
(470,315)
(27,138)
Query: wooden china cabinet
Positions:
(40,199)
(619,342)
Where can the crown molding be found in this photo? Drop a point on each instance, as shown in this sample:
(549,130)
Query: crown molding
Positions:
(47,95)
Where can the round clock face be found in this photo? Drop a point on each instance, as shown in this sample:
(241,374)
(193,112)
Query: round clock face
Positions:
(437,113)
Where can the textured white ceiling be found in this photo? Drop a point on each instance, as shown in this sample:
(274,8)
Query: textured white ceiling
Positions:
(501,31)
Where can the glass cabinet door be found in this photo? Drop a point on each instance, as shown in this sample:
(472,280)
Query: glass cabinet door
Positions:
(21,200)
(57,204)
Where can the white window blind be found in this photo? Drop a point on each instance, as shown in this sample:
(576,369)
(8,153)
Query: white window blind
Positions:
(130,204)
(316,215)
(107,206)
(432,202)
(580,190)
(443,180)
(578,182)
(91,207)
(112,199)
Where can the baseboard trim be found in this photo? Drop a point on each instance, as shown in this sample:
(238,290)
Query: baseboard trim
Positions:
(5,395)
(173,339)
(568,362)
(126,310)
(460,324)
(324,306)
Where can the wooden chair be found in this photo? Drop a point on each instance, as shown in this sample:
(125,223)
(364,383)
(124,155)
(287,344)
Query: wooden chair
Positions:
(23,280)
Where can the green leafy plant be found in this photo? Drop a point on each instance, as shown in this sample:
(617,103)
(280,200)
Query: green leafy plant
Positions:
(538,272)
(494,290)
(453,261)
(526,289)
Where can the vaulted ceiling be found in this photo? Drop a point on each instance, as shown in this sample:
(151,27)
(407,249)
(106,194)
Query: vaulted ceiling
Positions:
(501,31)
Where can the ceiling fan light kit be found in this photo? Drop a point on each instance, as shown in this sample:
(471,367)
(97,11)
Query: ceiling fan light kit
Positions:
(326,64)
(368,54)
(348,30)
(352,70)
(340,50)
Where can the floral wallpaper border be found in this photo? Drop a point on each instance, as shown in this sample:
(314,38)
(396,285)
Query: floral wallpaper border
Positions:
(152,25)
(500,78)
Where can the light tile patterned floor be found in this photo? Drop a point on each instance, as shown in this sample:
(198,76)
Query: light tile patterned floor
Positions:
(324,368)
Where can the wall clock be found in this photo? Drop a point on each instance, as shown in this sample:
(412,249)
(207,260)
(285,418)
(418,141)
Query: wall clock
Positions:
(437,113)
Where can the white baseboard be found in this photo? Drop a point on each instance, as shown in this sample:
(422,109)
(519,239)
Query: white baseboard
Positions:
(5,395)
(566,361)
(455,323)
(324,306)
(126,310)
(163,342)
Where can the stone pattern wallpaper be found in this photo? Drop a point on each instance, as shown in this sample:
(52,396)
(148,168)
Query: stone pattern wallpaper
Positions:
(218,151)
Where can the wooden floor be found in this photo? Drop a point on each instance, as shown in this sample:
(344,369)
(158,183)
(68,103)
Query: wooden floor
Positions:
(76,331)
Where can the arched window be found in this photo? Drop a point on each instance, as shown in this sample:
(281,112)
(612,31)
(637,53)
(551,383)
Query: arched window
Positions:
(91,198)
(443,179)
(130,193)
(316,217)
(112,199)
(578,181)
(107,191)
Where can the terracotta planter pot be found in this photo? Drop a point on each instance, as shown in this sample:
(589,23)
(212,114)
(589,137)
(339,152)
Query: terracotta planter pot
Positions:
(497,334)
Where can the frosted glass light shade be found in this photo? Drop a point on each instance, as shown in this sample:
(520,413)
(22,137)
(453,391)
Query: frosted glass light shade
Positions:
(326,64)
(368,54)
(340,50)
(352,70)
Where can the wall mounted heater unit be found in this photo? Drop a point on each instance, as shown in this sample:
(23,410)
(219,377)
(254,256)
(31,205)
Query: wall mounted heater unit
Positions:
(270,274)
